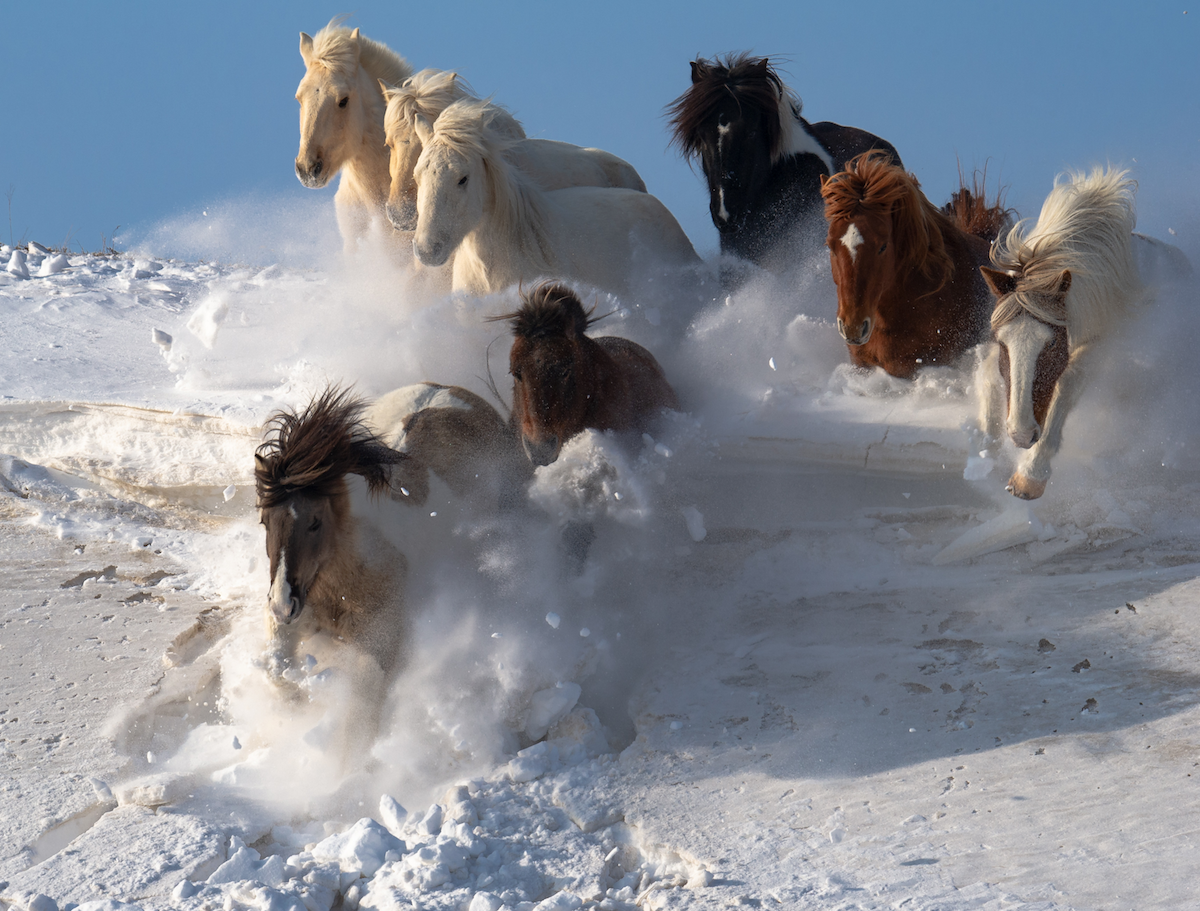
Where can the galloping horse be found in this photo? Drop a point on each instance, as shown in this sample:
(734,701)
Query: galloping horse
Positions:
(554,165)
(907,274)
(329,572)
(1061,286)
(502,228)
(456,435)
(565,382)
(762,159)
(341,125)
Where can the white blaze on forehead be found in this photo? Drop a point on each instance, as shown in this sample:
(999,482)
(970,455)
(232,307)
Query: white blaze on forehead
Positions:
(722,212)
(386,417)
(1024,337)
(281,592)
(852,240)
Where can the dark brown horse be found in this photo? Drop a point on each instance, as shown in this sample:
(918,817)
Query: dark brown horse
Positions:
(909,289)
(762,160)
(327,574)
(565,382)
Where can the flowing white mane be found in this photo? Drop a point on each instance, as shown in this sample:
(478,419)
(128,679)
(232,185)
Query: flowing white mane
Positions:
(428,93)
(333,49)
(469,127)
(1085,226)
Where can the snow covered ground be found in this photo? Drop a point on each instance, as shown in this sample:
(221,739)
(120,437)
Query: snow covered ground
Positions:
(806,664)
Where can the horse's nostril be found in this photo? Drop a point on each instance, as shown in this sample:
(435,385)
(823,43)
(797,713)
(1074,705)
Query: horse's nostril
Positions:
(316,168)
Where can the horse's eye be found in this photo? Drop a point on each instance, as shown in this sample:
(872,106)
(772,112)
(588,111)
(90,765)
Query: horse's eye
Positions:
(463,181)
(882,249)
(342,103)
(316,524)
(516,375)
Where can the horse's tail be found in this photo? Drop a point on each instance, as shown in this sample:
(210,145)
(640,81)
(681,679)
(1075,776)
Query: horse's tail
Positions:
(968,208)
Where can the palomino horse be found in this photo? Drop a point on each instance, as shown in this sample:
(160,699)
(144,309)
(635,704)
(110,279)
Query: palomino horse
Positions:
(554,165)
(565,382)
(329,573)
(1061,286)
(502,228)
(907,274)
(341,125)
(762,159)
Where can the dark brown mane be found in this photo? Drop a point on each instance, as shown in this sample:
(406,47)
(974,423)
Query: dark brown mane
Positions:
(968,208)
(872,186)
(313,450)
(749,80)
(550,309)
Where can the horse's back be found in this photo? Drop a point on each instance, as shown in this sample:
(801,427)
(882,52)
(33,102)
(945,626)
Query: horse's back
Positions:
(647,383)
(843,142)
(557,165)
(614,215)
(1159,262)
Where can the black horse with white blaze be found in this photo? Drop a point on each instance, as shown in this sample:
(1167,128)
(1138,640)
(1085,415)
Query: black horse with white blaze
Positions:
(763,161)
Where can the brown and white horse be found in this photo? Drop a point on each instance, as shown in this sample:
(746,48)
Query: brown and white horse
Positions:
(330,572)
(907,274)
(1061,286)
(565,381)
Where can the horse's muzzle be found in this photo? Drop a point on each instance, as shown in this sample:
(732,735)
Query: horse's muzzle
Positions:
(864,332)
(287,611)
(312,175)
(403,216)
(541,453)
(431,253)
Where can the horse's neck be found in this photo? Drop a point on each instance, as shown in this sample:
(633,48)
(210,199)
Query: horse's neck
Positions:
(365,173)
(798,138)
(512,242)
(358,577)
(609,387)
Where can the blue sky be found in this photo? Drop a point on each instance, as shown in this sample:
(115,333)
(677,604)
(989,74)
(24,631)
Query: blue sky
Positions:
(132,114)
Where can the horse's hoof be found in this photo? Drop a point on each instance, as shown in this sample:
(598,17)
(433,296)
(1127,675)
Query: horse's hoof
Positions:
(1025,488)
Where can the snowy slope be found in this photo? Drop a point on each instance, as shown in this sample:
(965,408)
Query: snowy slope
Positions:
(806,664)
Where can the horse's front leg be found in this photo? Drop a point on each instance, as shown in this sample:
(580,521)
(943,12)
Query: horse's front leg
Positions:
(992,406)
(1033,470)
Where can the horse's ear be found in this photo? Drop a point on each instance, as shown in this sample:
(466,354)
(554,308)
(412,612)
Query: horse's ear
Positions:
(824,179)
(423,127)
(388,90)
(260,464)
(1002,283)
(1064,285)
(354,36)
(763,66)
(306,48)
(699,71)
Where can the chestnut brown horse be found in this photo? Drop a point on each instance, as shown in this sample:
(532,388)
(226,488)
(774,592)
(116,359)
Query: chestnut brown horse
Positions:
(909,289)
(565,382)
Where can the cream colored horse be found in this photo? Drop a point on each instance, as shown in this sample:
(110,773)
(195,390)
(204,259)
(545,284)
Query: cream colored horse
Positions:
(554,165)
(341,127)
(502,228)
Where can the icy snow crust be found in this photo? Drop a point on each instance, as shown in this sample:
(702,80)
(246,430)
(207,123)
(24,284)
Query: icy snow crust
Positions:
(815,656)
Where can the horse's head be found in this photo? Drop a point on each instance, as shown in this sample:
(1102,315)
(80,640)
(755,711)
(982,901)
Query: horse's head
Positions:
(730,119)
(552,384)
(1029,326)
(303,500)
(451,176)
(425,94)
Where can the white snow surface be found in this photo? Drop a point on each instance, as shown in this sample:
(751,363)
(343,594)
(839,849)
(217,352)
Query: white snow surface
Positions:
(805,663)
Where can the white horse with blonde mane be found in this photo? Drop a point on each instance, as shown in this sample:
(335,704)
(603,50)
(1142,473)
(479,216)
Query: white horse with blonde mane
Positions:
(1062,287)
(341,127)
(502,228)
(554,165)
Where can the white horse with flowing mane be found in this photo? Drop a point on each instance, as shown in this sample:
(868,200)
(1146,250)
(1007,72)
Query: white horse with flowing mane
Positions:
(341,126)
(1062,286)
(502,228)
(554,165)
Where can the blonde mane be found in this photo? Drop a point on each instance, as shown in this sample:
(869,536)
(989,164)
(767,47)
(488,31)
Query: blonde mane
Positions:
(1085,227)
(333,50)
(874,188)
(427,94)
(471,128)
